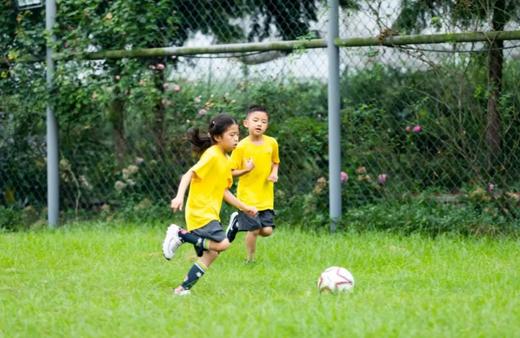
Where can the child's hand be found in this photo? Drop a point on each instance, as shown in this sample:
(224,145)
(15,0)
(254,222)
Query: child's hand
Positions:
(251,211)
(250,165)
(273,178)
(176,203)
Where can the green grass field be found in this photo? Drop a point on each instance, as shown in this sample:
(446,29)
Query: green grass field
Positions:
(91,281)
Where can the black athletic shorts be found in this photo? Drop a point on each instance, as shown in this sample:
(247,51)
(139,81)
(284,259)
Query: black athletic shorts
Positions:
(213,230)
(264,218)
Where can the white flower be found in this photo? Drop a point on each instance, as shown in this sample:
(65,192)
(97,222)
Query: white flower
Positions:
(119,186)
(85,183)
(132,168)
(65,164)
(126,173)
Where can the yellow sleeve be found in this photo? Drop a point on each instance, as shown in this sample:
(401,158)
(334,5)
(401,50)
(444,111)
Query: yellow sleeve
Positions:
(236,159)
(276,156)
(203,167)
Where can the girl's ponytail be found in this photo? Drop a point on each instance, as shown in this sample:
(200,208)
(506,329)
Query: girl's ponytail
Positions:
(199,143)
(217,127)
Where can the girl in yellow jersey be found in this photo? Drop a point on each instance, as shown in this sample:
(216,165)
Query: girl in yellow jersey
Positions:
(255,160)
(209,180)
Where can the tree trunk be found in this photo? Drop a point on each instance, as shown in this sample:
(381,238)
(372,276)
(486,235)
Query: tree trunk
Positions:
(495,64)
(493,133)
(160,112)
(117,118)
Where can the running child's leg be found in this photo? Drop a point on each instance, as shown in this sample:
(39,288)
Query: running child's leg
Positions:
(251,238)
(199,268)
(251,244)
(197,271)
(198,242)
(266,231)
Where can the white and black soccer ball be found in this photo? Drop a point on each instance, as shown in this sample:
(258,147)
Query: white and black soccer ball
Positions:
(335,279)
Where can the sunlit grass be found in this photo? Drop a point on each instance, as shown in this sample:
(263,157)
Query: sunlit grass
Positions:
(90,281)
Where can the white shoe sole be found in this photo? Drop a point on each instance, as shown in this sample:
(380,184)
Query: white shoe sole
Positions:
(171,241)
(181,293)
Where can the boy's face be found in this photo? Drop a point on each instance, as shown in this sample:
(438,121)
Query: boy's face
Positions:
(256,123)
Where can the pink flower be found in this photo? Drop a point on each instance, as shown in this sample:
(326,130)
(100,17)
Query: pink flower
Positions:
(174,87)
(417,129)
(381,179)
(159,66)
(490,187)
(408,129)
(343,177)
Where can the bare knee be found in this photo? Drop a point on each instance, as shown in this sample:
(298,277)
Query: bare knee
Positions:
(266,231)
(254,233)
(220,246)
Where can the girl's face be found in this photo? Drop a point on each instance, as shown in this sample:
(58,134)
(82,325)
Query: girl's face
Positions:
(256,123)
(229,139)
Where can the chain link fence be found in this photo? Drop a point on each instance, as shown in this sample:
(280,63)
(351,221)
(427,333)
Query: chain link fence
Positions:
(423,126)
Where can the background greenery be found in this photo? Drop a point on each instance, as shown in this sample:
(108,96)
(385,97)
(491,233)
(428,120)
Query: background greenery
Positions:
(415,136)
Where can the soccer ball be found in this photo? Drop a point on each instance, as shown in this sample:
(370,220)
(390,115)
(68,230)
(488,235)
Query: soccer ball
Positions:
(335,279)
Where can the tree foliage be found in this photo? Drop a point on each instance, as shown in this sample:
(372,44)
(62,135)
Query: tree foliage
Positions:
(492,15)
(416,15)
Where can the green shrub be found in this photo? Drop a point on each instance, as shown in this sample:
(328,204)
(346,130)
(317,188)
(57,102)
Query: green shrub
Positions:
(10,219)
(420,216)
(105,176)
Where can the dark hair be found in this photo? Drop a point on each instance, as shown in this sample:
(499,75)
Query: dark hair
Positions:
(254,108)
(217,127)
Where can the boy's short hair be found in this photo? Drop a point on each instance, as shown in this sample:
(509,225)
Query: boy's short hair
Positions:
(254,108)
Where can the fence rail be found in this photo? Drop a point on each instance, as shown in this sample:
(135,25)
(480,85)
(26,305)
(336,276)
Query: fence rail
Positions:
(242,48)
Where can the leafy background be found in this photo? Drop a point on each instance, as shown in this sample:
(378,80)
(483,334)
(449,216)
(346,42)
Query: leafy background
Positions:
(430,140)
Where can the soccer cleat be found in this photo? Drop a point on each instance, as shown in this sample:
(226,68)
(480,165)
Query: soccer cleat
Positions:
(180,291)
(171,241)
(232,228)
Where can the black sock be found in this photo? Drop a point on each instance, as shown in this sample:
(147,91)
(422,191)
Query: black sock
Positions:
(196,271)
(189,237)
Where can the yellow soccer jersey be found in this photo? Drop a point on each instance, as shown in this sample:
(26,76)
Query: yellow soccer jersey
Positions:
(212,176)
(254,188)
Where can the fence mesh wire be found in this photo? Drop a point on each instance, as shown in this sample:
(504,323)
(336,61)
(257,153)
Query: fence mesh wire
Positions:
(415,119)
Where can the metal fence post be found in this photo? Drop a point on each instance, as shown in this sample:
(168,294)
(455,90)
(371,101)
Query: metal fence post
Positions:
(334,118)
(52,127)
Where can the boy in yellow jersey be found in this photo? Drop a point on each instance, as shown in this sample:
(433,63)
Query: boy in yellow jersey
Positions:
(255,161)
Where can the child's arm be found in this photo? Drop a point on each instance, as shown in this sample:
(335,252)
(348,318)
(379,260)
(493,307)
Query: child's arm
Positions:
(273,177)
(177,202)
(231,199)
(248,167)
